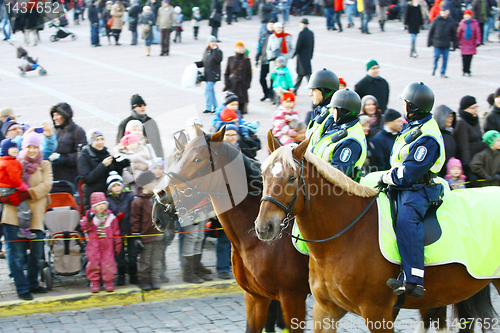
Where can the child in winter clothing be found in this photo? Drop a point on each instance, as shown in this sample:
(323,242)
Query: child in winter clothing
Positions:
(455,176)
(120,199)
(11,171)
(139,157)
(486,164)
(230,107)
(179,19)
(282,80)
(101,227)
(281,119)
(195,19)
(151,247)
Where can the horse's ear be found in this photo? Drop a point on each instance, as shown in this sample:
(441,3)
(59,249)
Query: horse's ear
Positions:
(199,131)
(301,149)
(219,136)
(272,142)
(180,146)
(183,138)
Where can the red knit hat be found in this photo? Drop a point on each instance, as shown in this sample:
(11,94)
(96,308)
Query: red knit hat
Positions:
(468,11)
(288,96)
(341,81)
(228,115)
(97,198)
(128,139)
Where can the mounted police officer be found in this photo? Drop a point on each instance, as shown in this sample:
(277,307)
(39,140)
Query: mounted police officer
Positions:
(323,84)
(342,141)
(417,156)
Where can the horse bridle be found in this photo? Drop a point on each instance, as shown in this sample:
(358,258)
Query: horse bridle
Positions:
(289,209)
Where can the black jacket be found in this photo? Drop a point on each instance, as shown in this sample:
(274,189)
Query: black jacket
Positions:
(493,120)
(94,174)
(443,33)
(440,114)
(93,14)
(468,136)
(215,14)
(304,50)
(266,12)
(413,19)
(382,142)
(121,204)
(151,132)
(376,86)
(133,15)
(212,59)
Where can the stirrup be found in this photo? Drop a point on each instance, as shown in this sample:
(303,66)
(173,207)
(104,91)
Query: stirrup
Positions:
(415,290)
(397,286)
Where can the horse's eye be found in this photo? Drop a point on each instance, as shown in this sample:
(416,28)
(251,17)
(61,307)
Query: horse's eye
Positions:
(291,179)
(197,160)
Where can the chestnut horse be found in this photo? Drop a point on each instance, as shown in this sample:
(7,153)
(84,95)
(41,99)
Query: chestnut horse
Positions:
(347,273)
(264,271)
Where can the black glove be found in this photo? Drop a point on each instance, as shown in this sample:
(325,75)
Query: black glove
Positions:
(59,161)
(137,242)
(381,184)
(90,216)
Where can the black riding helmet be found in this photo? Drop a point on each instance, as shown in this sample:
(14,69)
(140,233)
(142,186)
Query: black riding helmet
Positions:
(347,103)
(419,97)
(325,80)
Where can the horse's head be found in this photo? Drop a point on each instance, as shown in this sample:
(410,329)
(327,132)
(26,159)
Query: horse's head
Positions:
(284,188)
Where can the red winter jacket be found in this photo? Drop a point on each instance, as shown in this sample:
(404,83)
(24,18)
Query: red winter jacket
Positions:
(10,172)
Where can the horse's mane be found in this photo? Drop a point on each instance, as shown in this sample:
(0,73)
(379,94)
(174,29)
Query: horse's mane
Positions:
(325,169)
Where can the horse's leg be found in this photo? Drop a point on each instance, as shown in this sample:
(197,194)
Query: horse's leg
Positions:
(294,311)
(432,318)
(326,312)
(378,319)
(256,308)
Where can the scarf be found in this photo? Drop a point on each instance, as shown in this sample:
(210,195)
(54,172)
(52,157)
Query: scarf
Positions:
(30,165)
(138,116)
(284,49)
(468,117)
(468,30)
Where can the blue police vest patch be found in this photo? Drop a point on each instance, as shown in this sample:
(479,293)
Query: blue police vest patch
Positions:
(420,154)
(345,154)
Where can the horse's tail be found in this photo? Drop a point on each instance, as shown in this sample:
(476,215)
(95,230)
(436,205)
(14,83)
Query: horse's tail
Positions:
(478,308)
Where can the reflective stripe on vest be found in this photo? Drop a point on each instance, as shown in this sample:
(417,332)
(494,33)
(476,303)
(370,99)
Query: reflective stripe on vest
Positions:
(401,149)
(315,131)
(325,147)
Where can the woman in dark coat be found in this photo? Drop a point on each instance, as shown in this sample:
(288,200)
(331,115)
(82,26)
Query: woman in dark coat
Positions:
(70,138)
(94,165)
(468,135)
(413,21)
(212,57)
(238,76)
(446,119)
(215,18)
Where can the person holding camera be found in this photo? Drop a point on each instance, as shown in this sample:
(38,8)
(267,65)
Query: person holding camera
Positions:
(94,164)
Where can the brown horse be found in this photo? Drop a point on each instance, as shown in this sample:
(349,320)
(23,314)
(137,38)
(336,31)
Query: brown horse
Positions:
(347,273)
(264,271)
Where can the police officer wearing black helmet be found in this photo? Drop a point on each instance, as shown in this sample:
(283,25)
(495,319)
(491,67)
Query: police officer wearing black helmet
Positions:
(342,141)
(417,156)
(323,84)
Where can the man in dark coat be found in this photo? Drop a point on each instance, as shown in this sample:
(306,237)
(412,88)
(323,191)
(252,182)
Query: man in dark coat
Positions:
(262,55)
(446,119)
(442,34)
(94,23)
(238,76)
(70,138)
(151,131)
(373,84)
(383,141)
(304,50)
(133,20)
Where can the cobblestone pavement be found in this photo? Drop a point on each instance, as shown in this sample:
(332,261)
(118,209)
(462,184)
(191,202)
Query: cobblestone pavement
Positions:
(210,314)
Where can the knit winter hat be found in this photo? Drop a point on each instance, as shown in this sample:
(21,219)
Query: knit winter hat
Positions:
(114,178)
(239,44)
(468,11)
(93,134)
(453,162)
(128,139)
(32,139)
(158,161)
(177,10)
(211,39)
(366,98)
(282,60)
(232,127)
(8,124)
(490,137)
(228,115)
(341,81)
(195,9)
(133,123)
(467,101)
(278,25)
(371,63)
(97,198)
(5,145)
(136,100)
(288,96)
(231,97)
(391,114)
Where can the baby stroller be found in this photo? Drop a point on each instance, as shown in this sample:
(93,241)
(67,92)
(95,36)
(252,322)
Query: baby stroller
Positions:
(66,255)
(30,63)
(61,33)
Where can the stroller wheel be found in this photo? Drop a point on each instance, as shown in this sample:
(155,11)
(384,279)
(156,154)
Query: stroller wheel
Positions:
(73,37)
(42,71)
(47,277)
(54,38)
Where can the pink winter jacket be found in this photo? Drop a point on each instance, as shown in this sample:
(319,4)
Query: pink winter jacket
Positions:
(281,129)
(468,47)
(112,230)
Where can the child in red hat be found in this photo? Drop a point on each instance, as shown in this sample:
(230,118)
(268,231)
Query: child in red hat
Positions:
(103,232)
(281,119)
